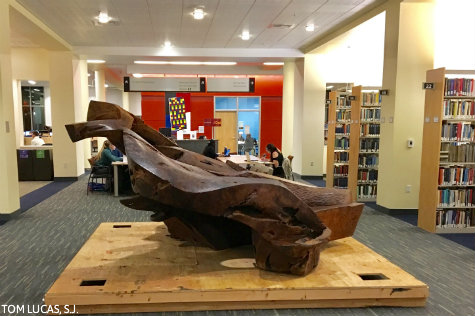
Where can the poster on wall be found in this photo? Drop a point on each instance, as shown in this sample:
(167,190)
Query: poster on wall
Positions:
(212,122)
(177,113)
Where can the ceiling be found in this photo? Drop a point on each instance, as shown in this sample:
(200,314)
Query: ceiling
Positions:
(143,26)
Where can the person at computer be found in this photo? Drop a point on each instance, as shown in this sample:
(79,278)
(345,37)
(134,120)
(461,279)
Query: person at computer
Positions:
(276,158)
(210,150)
(37,141)
(105,157)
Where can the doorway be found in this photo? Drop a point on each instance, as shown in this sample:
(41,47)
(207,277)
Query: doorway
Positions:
(226,133)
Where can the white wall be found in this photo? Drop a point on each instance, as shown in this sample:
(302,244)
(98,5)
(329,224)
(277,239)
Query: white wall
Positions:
(135,103)
(114,96)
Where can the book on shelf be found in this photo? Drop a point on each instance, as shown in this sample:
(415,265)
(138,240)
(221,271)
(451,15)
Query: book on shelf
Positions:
(460,132)
(456,198)
(459,87)
(456,176)
(370,129)
(455,218)
(342,129)
(458,152)
(341,170)
(463,109)
(368,175)
(371,115)
(369,145)
(342,157)
(366,191)
(370,99)
(342,143)
(368,161)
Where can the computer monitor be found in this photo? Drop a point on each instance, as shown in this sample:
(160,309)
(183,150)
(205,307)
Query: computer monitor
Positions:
(166,131)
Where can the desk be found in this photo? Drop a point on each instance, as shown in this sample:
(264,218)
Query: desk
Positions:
(115,164)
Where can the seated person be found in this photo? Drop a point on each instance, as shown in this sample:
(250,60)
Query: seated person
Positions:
(37,141)
(105,158)
(210,150)
(116,152)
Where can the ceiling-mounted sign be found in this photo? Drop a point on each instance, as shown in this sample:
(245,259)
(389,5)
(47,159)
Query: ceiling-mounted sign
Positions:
(384,92)
(352,98)
(212,122)
(164,84)
(230,84)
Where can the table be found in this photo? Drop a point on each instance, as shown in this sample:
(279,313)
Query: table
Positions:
(255,164)
(115,164)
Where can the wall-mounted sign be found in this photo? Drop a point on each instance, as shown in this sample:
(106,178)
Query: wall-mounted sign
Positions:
(328,101)
(352,98)
(428,85)
(40,154)
(230,84)
(212,122)
(384,92)
(23,154)
(164,84)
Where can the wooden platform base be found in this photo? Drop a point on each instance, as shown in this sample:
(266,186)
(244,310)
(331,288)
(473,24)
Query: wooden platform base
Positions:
(136,267)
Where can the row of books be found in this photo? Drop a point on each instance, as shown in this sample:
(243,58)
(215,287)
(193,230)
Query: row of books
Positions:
(342,129)
(459,198)
(366,191)
(371,115)
(368,175)
(462,131)
(342,143)
(342,157)
(457,152)
(340,182)
(456,176)
(343,101)
(459,87)
(368,161)
(459,109)
(369,145)
(371,98)
(369,129)
(343,115)
(340,170)
(455,218)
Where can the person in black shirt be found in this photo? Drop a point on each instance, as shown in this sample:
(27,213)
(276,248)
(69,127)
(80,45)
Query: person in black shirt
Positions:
(276,158)
(210,150)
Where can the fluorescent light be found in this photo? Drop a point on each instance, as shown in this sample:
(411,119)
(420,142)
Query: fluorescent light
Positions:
(273,63)
(88,74)
(106,85)
(219,63)
(95,61)
(310,27)
(36,89)
(31,82)
(187,63)
(245,35)
(330,87)
(103,17)
(198,14)
(167,44)
(137,75)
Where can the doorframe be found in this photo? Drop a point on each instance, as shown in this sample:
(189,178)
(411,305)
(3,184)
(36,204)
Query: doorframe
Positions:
(237,114)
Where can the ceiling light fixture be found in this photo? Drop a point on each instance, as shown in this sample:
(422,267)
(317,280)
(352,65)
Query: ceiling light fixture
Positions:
(310,27)
(167,44)
(31,82)
(187,63)
(137,75)
(103,17)
(274,63)
(106,85)
(330,87)
(95,61)
(245,35)
(198,14)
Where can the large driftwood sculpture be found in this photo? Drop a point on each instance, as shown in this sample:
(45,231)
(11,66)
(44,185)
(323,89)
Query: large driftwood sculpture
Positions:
(221,205)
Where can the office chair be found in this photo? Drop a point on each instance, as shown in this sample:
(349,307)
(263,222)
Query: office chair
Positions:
(104,173)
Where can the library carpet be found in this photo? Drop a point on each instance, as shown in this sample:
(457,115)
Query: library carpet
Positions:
(38,244)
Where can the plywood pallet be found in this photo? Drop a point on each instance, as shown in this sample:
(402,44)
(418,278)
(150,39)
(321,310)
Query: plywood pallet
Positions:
(136,267)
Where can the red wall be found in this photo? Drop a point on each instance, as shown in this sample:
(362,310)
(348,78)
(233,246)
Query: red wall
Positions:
(201,106)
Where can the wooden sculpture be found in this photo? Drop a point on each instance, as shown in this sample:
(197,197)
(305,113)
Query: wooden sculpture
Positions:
(220,205)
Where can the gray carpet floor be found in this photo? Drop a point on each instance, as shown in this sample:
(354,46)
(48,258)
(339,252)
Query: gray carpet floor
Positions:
(37,246)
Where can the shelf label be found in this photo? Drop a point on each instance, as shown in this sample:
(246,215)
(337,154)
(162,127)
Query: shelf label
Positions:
(352,98)
(328,101)
(428,85)
(384,92)
(436,119)
(427,119)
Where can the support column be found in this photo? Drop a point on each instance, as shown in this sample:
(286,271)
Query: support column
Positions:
(9,190)
(408,54)
(125,101)
(100,85)
(68,156)
(292,103)
(81,94)
(313,116)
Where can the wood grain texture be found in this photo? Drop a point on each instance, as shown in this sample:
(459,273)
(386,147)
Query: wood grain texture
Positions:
(143,273)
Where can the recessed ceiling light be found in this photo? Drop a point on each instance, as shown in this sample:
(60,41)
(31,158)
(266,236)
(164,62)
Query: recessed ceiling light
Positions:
(167,44)
(31,82)
(310,27)
(208,63)
(95,61)
(245,35)
(137,75)
(36,89)
(88,74)
(103,17)
(198,14)
(273,63)
(330,87)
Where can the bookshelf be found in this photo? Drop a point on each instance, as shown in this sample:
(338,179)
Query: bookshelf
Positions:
(368,155)
(447,190)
